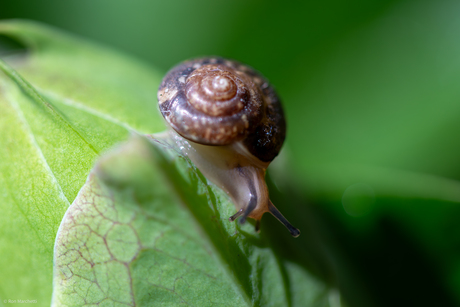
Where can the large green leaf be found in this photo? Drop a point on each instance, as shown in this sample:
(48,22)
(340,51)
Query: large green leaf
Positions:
(146,227)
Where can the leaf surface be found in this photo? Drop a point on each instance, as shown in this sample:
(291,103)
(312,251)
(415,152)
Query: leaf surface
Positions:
(146,229)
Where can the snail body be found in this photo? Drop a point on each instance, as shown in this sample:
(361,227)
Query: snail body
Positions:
(228,120)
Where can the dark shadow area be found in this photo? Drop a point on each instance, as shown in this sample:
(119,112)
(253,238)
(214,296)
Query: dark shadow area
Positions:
(316,249)
(383,267)
(397,271)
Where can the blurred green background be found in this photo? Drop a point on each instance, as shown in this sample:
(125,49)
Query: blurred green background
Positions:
(372,98)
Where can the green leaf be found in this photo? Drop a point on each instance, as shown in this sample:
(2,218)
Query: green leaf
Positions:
(79,99)
(146,229)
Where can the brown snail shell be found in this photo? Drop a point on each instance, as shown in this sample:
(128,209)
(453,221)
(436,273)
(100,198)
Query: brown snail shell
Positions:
(228,119)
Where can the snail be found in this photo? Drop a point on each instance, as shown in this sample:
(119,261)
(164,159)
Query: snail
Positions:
(228,120)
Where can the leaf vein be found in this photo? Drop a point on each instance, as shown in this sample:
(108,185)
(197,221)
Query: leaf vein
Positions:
(34,143)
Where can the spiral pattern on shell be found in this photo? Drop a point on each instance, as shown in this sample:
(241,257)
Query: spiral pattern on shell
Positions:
(214,101)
